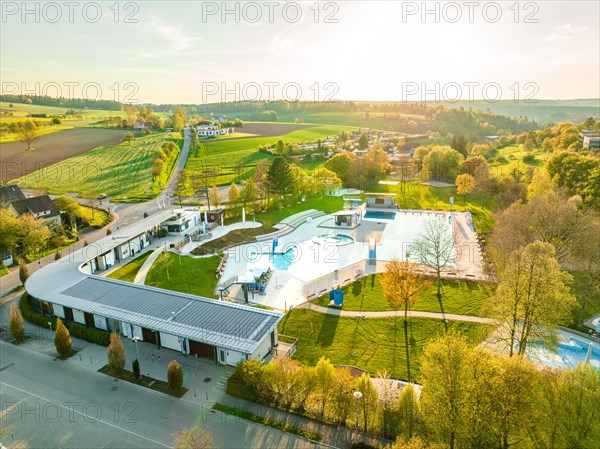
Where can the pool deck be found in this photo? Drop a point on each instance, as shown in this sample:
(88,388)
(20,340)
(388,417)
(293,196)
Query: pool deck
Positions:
(319,268)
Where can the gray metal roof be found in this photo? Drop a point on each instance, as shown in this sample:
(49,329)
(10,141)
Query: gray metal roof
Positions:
(237,327)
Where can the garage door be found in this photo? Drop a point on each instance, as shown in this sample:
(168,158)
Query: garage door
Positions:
(202,349)
(170,341)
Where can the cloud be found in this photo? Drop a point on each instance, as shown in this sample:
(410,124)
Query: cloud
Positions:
(568,32)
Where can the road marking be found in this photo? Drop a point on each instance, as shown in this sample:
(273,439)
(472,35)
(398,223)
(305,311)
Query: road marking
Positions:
(84,415)
(7,366)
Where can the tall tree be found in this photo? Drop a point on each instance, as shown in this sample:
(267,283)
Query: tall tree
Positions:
(369,400)
(324,375)
(233,193)
(402,286)
(28,133)
(443,397)
(465,184)
(16,324)
(175,375)
(214,196)
(279,178)
(116,353)
(437,248)
(532,297)
(62,339)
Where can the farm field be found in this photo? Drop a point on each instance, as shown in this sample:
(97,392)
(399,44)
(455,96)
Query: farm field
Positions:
(236,159)
(50,149)
(373,344)
(122,171)
(461,298)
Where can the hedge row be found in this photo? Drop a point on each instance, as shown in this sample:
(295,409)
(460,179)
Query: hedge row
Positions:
(90,334)
(289,428)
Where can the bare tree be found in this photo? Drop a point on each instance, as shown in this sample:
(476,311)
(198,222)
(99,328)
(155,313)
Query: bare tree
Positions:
(437,248)
(193,438)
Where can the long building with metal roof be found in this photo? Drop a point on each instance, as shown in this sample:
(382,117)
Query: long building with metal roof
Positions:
(222,331)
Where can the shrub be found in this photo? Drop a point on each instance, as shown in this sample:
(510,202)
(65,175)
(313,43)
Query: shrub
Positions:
(135,366)
(116,353)
(16,324)
(57,255)
(85,243)
(175,375)
(62,339)
(23,271)
(501,160)
(108,232)
(145,214)
(529,157)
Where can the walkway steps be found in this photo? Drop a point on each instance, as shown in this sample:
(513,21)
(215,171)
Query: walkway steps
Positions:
(290,224)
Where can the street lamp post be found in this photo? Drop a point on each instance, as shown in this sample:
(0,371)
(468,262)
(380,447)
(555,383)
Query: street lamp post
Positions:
(137,350)
(357,395)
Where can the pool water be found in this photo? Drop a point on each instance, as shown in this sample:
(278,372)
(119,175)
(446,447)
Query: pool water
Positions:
(380,215)
(336,239)
(277,261)
(571,350)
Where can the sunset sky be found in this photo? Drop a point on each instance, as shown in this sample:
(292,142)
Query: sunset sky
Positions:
(186,52)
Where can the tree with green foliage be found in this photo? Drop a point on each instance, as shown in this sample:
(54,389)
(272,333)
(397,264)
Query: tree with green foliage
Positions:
(179,119)
(175,375)
(363,141)
(10,230)
(414,443)
(28,132)
(135,366)
(343,166)
(214,196)
(408,410)
(443,396)
(248,194)
(465,184)
(33,233)
(193,438)
(532,297)
(324,375)
(459,143)
(233,193)
(279,177)
(62,339)
(441,164)
(128,137)
(16,324)
(369,401)
(116,353)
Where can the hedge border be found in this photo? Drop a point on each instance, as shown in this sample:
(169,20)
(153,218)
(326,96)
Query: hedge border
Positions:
(90,334)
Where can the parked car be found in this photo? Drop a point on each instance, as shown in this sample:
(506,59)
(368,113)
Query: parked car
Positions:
(102,196)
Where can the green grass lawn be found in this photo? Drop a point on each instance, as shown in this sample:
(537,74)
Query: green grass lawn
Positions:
(185,274)
(462,298)
(121,171)
(96,217)
(128,271)
(374,344)
(42,131)
(222,154)
(327,204)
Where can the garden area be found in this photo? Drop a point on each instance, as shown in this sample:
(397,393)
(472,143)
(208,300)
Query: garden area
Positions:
(128,272)
(374,344)
(461,298)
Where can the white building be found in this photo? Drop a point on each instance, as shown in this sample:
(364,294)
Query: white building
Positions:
(212,130)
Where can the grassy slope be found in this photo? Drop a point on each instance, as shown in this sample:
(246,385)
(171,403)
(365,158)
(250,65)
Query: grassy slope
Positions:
(120,170)
(222,154)
(194,276)
(376,345)
(461,298)
(127,272)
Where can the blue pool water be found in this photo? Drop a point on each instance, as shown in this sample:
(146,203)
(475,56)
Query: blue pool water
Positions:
(572,349)
(338,239)
(381,215)
(277,261)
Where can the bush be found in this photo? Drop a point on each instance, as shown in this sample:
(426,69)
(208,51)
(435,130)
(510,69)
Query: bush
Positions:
(145,214)
(116,353)
(85,243)
(529,157)
(62,339)
(135,366)
(108,232)
(90,334)
(16,324)
(501,160)
(23,272)
(57,255)
(175,375)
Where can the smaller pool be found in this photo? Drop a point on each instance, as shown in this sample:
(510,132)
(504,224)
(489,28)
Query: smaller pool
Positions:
(336,239)
(571,350)
(277,261)
(380,215)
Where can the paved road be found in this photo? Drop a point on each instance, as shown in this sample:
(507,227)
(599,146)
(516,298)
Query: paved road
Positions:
(391,313)
(51,404)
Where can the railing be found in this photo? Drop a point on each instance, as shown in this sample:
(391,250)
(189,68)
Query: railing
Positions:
(292,344)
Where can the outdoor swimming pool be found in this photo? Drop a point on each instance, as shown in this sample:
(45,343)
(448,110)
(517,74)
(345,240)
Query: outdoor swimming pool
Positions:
(336,239)
(572,349)
(380,215)
(276,261)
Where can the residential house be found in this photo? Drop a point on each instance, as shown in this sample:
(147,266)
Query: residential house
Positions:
(39,206)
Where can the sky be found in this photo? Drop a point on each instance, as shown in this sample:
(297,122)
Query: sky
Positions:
(198,52)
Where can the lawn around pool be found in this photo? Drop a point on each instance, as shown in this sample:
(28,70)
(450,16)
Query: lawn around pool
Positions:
(185,274)
(373,344)
(127,272)
(462,298)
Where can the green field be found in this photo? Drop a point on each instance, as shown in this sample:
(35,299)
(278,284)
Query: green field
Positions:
(185,274)
(374,344)
(223,154)
(127,272)
(121,171)
(463,298)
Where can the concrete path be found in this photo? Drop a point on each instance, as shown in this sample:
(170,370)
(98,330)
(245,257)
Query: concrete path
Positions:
(391,313)
(140,277)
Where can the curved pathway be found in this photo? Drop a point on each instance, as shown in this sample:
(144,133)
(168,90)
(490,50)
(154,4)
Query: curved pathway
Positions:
(391,313)
(140,277)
